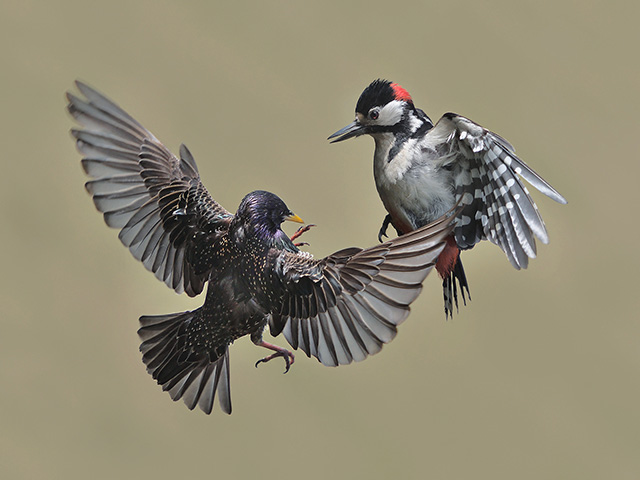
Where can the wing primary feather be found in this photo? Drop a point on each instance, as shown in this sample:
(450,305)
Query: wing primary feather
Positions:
(138,184)
(325,330)
(338,332)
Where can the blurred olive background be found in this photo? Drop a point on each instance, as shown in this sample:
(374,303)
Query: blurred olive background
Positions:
(538,377)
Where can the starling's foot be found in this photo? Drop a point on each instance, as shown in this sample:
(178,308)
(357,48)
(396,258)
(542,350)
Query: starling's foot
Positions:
(288,356)
(300,231)
(383,228)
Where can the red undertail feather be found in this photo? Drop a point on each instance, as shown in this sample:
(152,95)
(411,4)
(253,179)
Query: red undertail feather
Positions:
(449,266)
(448,258)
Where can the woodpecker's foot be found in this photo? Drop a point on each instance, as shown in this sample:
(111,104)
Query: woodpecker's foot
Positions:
(288,356)
(300,231)
(383,228)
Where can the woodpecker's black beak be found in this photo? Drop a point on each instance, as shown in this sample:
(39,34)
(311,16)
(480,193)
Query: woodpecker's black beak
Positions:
(354,129)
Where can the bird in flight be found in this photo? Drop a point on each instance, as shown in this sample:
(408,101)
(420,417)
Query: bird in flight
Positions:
(422,170)
(339,309)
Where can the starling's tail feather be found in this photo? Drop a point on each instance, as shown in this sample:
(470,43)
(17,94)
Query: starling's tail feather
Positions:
(176,365)
(450,289)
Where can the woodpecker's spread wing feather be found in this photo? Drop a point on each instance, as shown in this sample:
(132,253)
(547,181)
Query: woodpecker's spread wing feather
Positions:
(346,306)
(496,204)
(166,217)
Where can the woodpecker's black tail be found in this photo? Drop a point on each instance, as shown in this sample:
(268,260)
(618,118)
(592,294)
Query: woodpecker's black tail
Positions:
(176,360)
(450,289)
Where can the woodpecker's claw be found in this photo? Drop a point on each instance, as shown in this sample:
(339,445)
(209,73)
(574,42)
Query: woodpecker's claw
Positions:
(288,356)
(383,228)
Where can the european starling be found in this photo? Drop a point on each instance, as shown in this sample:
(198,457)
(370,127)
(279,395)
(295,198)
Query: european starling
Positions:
(421,170)
(339,309)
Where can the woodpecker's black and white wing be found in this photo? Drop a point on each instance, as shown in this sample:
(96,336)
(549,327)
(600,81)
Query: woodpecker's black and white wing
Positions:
(346,306)
(496,203)
(166,217)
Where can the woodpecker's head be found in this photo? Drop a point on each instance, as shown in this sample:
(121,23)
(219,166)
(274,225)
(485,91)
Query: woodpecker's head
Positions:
(382,107)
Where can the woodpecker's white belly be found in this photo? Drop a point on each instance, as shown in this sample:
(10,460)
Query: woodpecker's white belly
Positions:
(413,187)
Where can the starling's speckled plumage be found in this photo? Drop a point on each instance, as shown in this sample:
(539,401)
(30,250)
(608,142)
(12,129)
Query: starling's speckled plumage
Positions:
(339,309)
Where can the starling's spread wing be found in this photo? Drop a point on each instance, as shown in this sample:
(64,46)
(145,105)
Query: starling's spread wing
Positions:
(496,204)
(166,217)
(346,306)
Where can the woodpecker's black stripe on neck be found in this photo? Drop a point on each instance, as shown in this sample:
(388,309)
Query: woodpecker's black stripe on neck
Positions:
(401,138)
(402,135)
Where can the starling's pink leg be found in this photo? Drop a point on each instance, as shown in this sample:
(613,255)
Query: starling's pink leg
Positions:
(280,352)
(300,231)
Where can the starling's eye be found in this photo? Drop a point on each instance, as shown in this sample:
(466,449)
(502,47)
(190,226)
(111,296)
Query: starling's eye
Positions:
(374,113)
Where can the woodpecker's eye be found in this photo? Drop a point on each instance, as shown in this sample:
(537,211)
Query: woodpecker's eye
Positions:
(373,114)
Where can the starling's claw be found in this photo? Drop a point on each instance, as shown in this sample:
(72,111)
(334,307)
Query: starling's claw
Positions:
(301,244)
(300,231)
(383,228)
(286,354)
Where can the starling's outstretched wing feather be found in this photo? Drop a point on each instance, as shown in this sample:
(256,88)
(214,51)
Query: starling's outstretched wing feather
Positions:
(180,366)
(496,204)
(346,306)
(166,217)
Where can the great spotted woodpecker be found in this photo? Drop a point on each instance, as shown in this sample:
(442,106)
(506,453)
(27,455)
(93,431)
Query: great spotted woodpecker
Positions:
(422,170)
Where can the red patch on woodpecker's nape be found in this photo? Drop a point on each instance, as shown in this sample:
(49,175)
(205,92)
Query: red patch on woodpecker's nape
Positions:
(400,93)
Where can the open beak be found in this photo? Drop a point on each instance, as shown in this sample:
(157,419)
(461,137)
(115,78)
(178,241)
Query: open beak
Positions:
(354,129)
(294,218)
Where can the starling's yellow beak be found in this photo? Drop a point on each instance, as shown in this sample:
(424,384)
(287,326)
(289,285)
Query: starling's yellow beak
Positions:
(294,218)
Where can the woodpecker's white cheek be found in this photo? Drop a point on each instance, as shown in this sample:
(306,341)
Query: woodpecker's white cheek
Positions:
(391,113)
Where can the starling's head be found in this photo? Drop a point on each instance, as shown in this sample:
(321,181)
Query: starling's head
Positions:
(262,213)
(381,106)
